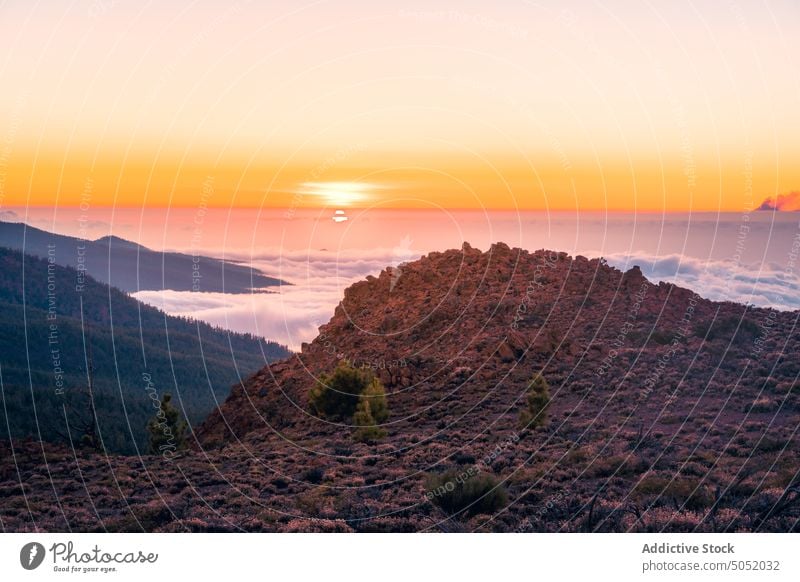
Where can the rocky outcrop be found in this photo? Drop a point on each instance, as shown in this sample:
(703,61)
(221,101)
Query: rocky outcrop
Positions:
(481,323)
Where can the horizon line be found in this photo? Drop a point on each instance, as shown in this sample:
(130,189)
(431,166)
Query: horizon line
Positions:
(406,208)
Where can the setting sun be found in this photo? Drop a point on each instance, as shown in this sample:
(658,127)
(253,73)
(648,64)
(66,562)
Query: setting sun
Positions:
(337,193)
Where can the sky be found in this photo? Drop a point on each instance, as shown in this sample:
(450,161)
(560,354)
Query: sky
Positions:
(577,106)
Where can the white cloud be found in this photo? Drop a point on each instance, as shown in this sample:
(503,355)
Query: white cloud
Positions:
(293,313)
(319,278)
(769,285)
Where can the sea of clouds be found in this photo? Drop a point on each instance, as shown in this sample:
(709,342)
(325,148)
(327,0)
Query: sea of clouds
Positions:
(289,314)
(766,285)
(745,257)
(292,314)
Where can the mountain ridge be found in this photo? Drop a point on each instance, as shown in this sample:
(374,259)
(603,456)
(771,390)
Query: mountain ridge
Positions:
(132,267)
(527,323)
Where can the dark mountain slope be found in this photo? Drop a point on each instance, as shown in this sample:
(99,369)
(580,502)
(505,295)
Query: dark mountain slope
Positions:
(45,323)
(132,267)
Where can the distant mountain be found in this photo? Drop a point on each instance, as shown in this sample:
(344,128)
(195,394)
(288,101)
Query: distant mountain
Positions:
(667,412)
(132,267)
(45,322)
(119,242)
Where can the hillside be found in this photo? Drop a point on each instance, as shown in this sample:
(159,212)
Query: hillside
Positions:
(668,412)
(131,267)
(46,318)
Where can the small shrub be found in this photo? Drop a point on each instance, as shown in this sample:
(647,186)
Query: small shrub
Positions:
(770,445)
(726,327)
(314,475)
(622,465)
(537,403)
(661,337)
(686,492)
(690,494)
(462,458)
(370,412)
(352,395)
(577,455)
(762,404)
(651,485)
(335,396)
(374,399)
(467,491)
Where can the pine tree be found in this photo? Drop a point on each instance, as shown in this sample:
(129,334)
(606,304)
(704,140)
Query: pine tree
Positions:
(537,403)
(167,429)
(372,409)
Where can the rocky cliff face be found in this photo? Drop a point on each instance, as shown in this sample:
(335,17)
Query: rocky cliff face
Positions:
(668,411)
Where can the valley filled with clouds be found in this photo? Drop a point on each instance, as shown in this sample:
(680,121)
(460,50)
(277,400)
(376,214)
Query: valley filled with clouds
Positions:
(291,314)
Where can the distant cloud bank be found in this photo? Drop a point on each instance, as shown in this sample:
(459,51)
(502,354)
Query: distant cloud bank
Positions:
(319,278)
(292,315)
(767,285)
(788,202)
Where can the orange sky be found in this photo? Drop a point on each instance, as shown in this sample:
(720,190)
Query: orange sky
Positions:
(453,104)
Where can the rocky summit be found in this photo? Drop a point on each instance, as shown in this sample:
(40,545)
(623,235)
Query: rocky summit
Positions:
(666,412)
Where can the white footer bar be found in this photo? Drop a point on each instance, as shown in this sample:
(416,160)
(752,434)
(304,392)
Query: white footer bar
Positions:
(400,557)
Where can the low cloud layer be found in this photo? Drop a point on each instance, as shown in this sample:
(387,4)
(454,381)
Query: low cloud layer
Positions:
(769,285)
(293,314)
(289,317)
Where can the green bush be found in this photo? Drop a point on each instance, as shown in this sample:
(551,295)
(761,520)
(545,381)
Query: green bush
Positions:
(661,337)
(335,396)
(622,465)
(467,491)
(537,402)
(353,395)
